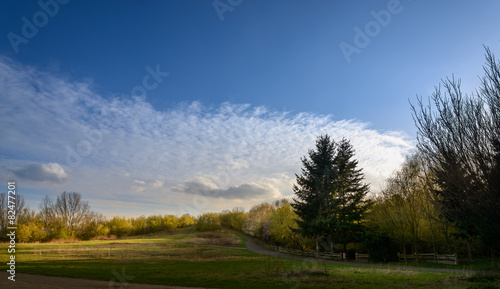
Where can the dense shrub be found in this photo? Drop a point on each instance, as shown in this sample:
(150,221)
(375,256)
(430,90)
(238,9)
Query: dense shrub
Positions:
(170,222)
(279,227)
(140,225)
(119,227)
(256,218)
(30,232)
(208,222)
(234,219)
(185,221)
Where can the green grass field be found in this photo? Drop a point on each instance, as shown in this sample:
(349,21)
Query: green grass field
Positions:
(187,258)
(479,264)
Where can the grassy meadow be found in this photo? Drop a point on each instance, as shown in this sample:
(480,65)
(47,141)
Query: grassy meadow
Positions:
(185,257)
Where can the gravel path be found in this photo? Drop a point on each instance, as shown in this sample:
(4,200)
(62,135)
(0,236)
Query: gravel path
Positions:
(254,247)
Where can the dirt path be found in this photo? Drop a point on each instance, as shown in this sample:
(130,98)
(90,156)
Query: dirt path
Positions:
(252,246)
(29,281)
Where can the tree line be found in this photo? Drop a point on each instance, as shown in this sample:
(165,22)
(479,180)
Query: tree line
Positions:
(70,217)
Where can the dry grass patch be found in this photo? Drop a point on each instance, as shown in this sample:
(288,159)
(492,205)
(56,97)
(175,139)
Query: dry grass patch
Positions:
(210,235)
(64,241)
(104,238)
(216,238)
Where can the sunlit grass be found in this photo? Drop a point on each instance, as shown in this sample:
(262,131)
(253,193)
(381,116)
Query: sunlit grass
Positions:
(175,258)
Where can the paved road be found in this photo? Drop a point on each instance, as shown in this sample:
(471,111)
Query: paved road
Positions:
(254,247)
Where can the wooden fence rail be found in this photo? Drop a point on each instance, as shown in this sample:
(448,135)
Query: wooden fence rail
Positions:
(297,252)
(451,259)
(333,256)
(362,257)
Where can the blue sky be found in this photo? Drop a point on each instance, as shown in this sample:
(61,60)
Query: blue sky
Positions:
(190,106)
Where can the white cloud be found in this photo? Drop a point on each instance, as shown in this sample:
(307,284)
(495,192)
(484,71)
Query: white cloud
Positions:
(50,172)
(126,150)
(157,184)
(206,188)
(139,186)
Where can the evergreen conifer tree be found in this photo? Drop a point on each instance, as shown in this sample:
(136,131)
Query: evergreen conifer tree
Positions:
(330,196)
(349,203)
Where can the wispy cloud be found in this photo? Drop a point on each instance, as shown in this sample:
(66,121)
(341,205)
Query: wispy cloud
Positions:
(126,150)
(140,186)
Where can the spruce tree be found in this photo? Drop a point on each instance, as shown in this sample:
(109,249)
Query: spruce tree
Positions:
(313,189)
(330,195)
(349,203)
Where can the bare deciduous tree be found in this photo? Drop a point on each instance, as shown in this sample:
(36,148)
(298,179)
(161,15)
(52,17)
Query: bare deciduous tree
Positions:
(4,209)
(72,211)
(460,136)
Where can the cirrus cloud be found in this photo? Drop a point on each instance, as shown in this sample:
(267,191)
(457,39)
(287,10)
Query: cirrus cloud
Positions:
(117,149)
